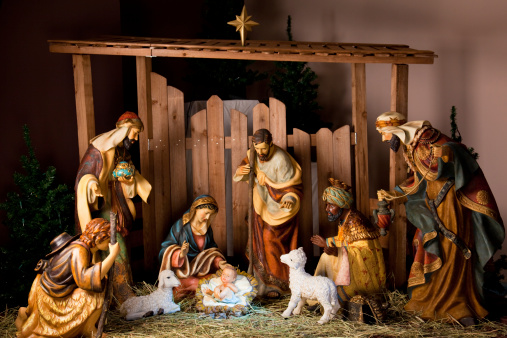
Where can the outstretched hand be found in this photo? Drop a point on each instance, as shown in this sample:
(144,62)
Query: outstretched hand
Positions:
(243,170)
(321,242)
(184,249)
(382,195)
(318,241)
(95,187)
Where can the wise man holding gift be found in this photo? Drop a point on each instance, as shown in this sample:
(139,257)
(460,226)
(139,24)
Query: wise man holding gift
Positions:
(353,258)
(459,228)
(277,194)
(107,181)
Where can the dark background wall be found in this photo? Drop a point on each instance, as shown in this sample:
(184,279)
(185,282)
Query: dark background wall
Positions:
(36,87)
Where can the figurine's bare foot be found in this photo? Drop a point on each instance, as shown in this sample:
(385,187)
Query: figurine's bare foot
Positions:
(160,312)
(148,314)
(21,319)
(273,294)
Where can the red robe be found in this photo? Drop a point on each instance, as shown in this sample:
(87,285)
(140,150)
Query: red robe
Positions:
(275,230)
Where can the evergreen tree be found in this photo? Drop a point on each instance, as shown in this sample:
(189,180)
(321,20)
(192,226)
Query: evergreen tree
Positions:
(38,212)
(293,83)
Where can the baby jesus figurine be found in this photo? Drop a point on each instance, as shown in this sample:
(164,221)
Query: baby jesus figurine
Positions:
(225,292)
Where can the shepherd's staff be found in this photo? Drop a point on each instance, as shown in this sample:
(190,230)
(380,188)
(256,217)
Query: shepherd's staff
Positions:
(110,274)
(251,163)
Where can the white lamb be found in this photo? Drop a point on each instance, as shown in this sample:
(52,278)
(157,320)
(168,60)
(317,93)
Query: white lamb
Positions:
(158,302)
(304,286)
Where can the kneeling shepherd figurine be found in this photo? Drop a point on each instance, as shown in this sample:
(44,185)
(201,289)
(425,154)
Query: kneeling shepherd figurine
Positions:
(67,295)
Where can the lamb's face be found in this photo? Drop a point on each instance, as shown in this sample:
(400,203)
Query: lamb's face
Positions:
(167,279)
(294,259)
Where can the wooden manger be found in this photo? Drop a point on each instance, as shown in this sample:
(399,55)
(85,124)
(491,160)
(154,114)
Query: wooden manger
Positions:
(155,154)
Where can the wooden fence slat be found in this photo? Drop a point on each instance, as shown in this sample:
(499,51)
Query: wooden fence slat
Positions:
(84,101)
(324,171)
(239,146)
(342,155)
(216,167)
(143,71)
(199,154)
(161,191)
(303,155)
(359,121)
(260,117)
(277,122)
(176,112)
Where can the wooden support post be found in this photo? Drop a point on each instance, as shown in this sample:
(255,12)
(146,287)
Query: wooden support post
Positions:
(84,101)
(359,123)
(143,67)
(398,174)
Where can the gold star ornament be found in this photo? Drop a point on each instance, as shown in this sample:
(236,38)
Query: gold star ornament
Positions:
(243,24)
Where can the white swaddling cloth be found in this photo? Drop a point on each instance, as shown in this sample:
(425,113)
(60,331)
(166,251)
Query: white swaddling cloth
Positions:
(241,282)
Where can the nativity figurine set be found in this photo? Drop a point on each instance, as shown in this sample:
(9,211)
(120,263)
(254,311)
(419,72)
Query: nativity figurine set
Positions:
(446,197)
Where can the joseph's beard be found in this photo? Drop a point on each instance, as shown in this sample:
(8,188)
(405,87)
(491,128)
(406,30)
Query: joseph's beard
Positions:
(263,157)
(332,218)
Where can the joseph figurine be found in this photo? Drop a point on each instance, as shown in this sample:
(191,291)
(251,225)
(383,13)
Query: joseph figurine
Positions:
(277,194)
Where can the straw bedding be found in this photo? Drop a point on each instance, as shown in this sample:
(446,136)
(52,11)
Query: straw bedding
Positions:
(264,320)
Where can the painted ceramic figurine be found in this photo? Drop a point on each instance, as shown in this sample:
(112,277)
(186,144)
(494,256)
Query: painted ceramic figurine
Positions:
(189,249)
(225,291)
(158,302)
(305,287)
(458,224)
(277,193)
(67,295)
(106,181)
(353,259)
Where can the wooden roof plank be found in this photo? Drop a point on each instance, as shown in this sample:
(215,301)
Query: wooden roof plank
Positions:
(332,52)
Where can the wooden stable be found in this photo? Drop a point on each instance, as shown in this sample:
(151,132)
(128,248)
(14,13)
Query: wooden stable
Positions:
(205,149)
(357,55)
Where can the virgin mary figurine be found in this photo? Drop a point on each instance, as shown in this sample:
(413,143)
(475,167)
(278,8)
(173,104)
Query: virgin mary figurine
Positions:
(189,249)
